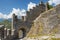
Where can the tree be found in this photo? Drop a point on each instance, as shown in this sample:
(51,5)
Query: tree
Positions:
(49,6)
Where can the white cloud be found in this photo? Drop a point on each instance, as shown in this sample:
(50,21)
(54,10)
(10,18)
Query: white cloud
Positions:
(3,16)
(31,5)
(17,11)
(14,11)
(23,12)
(56,2)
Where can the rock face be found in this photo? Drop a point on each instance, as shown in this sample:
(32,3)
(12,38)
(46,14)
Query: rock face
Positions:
(47,22)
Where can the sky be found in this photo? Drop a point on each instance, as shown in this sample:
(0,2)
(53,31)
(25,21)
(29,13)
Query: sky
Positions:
(19,7)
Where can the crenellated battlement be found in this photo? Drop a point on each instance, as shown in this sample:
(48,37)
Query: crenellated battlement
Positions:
(39,5)
(35,11)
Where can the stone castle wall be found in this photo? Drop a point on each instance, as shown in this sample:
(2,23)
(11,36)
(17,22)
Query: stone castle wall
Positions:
(35,12)
(19,24)
(31,15)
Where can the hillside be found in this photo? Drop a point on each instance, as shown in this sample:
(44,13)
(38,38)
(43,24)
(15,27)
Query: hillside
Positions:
(7,23)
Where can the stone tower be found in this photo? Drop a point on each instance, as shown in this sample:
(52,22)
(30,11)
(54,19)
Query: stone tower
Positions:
(14,20)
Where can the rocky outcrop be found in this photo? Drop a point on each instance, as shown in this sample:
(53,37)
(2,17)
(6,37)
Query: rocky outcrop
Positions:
(47,22)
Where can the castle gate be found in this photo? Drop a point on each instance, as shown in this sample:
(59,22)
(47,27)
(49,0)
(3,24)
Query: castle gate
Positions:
(21,33)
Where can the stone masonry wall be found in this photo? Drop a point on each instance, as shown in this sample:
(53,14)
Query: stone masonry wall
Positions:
(34,13)
(31,16)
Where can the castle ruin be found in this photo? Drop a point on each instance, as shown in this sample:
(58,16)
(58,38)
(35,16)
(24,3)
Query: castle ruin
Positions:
(20,27)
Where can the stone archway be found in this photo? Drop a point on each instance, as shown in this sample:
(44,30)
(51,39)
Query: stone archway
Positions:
(21,33)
